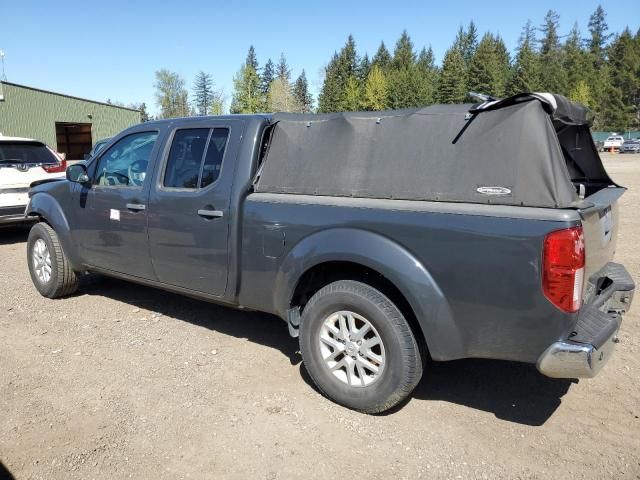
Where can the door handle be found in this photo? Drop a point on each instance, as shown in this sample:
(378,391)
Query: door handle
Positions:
(210,213)
(136,207)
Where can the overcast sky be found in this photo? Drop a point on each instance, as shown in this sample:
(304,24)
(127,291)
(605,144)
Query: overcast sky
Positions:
(111,49)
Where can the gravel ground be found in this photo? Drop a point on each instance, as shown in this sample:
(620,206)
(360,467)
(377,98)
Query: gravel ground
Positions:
(124,381)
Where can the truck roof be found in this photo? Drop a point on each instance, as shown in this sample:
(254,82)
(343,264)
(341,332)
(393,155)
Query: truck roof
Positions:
(164,121)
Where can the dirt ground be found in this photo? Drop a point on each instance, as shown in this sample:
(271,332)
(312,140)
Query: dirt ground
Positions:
(124,381)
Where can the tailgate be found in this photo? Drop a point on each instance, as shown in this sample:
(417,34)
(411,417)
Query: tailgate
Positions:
(600,225)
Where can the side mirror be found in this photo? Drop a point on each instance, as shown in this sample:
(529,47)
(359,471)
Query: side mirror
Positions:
(77,173)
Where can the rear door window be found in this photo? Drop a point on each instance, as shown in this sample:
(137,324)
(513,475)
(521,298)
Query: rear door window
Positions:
(213,160)
(195,158)
(16,153)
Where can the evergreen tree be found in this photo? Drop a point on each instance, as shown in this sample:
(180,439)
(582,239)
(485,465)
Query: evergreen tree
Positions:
(351,99)
(203,93)
(484,70)
(605,76)
(301,94)
(624,60)
(348,60)
(329,97)
(282,70)
(382,58)
(576,61)
(364,68)
(403,56)
(426,59)
(614,115)
(599,37)
(171,95)
(337,73)
(428,77)
(467,42)
(404,80)
(452,85)
(144,115)
(598,77)
(268,75)
(247,96)
(553,77)
(504,65)
(252,59)
(142,108)
(376,90)
(525,72)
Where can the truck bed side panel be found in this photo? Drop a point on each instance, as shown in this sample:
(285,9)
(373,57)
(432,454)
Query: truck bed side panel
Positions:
(487,267)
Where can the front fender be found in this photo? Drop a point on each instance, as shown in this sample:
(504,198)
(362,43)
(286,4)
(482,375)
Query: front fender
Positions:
(45,206)
(391,260)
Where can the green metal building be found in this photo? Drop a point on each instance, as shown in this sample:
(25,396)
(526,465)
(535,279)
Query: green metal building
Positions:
(67,124)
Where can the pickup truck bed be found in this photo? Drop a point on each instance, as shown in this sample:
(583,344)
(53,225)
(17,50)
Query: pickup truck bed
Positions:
(375,256)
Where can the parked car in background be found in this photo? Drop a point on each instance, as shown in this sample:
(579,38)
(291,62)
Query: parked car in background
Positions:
(23,161)
(631,146)
(97,147)
(614,142)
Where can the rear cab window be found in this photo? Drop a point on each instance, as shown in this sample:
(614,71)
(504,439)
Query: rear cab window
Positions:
(195,158)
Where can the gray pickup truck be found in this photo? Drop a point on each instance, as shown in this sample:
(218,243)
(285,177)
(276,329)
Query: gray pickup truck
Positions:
(382,239)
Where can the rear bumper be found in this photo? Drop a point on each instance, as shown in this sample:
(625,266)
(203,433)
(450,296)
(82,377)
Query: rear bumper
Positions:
(608,296)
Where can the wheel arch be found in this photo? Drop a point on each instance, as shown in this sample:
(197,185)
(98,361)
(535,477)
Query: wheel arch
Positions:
(345,253)
(48,210)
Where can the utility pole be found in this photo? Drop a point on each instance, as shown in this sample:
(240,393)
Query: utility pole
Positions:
(3,76)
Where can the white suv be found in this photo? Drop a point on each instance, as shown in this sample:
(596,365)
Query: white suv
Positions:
(23,161)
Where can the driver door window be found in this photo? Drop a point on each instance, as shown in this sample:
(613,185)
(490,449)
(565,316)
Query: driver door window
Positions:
(125,163)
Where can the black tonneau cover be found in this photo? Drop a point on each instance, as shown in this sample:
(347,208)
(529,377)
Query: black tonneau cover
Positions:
(504,152)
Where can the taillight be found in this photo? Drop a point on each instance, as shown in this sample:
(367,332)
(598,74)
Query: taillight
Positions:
(55,167)
(563,268)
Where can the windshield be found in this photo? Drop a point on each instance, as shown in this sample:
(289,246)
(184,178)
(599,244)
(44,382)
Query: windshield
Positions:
(615,138)
(12,153)
(631,142)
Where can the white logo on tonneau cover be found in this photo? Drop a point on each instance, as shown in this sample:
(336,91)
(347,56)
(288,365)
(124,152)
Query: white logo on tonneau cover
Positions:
(493,190)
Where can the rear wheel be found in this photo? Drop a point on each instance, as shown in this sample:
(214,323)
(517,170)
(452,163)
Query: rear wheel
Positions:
(49,268)
(358,348)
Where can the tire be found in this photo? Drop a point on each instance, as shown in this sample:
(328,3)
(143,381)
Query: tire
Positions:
(43,244)
(397,358)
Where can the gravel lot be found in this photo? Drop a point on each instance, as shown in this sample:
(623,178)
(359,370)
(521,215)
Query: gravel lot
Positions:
(124,381)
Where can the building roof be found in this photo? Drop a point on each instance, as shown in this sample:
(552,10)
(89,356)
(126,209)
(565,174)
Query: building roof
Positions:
(67,96)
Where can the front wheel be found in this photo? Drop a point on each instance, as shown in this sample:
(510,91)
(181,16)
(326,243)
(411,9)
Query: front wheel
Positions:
(50,270)
(358,348)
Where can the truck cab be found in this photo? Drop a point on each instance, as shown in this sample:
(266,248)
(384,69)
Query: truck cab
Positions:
(157,204)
